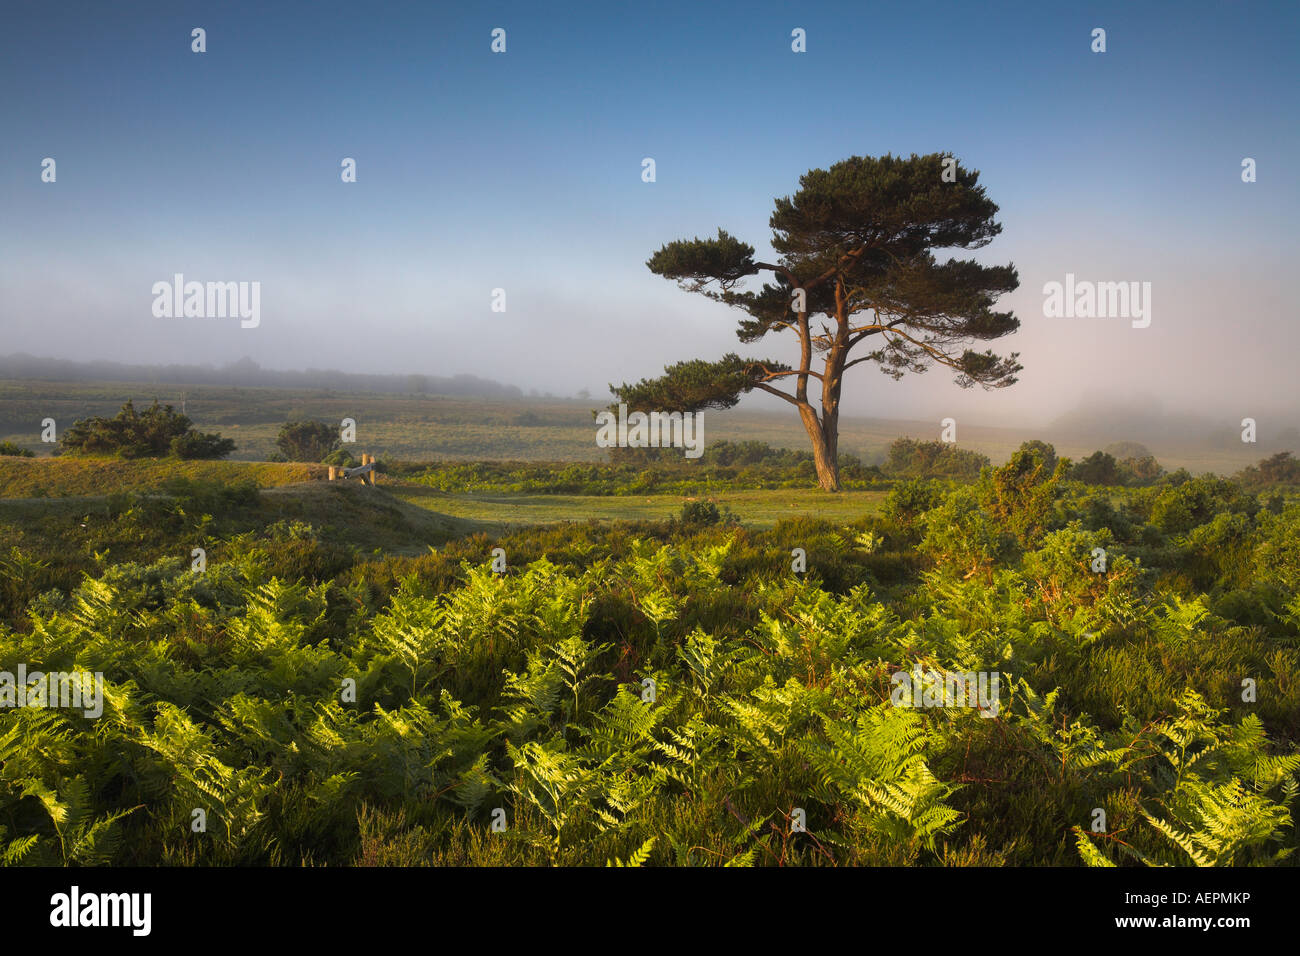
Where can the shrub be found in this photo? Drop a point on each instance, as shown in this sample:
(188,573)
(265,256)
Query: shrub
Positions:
(156,432)
(1279,470)
(1045,452)
(961,534)
(908,500)
(1138,472)
(1098,468)
(196,445)
(933,459)
(307,440)
(704,514)
(1181,508)
(340,456)
(1020,495)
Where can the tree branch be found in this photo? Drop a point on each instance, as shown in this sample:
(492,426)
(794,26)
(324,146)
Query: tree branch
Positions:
(794,282)
(794,371)
(943,358)
(780,394)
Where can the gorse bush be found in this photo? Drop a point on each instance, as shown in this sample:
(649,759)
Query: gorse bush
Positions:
(909,458)
(1282,469)
(158,430)
(307,441)
(1138,469)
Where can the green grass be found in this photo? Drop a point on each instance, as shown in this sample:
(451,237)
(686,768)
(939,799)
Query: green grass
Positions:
(63,477)
(761,508)
(63,539)
(348,513)
(87,480)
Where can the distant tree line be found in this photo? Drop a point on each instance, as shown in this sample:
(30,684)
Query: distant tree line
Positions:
(248,373)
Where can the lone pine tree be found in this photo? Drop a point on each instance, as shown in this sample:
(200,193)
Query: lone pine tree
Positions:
(857,281)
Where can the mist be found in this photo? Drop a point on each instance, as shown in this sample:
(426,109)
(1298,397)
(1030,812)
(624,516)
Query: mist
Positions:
(1127,168)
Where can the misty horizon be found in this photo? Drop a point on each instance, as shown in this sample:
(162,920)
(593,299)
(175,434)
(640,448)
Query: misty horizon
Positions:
(1104,419)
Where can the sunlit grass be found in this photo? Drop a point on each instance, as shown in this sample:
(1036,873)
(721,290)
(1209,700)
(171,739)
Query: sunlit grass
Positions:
(760,508)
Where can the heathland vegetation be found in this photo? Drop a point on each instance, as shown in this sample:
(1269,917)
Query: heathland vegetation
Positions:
(348,679)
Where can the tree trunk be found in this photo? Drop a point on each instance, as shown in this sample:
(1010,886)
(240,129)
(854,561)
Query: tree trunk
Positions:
(825,431)
(824,456)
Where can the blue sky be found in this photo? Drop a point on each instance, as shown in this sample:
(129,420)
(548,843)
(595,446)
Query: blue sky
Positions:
(522,171)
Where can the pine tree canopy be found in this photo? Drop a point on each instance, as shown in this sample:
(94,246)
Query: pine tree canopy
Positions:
(856,266)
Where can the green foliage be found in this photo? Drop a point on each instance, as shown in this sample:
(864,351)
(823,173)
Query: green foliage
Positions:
(1136,468)
(1227,801)
(1281,470)
(1045,452)
(1099,468)
(695,261)
(878,763)
(14,451)
(702,514)
(340,456)
(668,693)
(751,453)
(157,431)
(307,440)
(198,445)
(1180,508)
(856,248)
(1020,495)
(909,500)
(695,385)
(962,535)
(909,458)
(1139,472)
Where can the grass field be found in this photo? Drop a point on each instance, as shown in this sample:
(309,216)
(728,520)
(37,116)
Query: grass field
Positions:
(61,477)
(759,508)
(81,482)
